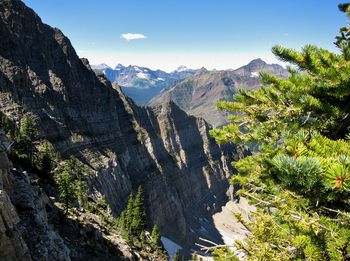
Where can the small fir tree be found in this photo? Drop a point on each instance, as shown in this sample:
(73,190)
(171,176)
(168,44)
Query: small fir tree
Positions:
(138,223)
(129,216)
(176,256)
(46,156)
(27,135)
(66,187)
(155,238)
(5,123)
(81,192)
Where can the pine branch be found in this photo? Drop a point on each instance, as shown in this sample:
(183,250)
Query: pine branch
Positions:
(337,212)
(208,248)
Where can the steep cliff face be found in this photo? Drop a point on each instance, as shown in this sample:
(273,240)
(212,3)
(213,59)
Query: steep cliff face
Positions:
(170,154)
(12,245)
(192,169)
(25,233)
(33,226)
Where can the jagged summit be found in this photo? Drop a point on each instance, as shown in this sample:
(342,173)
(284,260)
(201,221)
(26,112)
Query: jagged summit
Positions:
(201,71)
(256,64)
(119,66)
(181,68)
(101,66)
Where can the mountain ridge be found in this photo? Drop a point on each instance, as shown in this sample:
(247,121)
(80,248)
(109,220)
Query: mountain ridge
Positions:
(199,93)
(170,154)
(141,83)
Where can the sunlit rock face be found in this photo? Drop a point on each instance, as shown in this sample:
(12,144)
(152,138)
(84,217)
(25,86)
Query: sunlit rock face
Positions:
(199,94)
(170,154)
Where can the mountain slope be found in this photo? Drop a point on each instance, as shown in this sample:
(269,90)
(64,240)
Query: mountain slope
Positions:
(198,94)
(170,154)
(33,226)
(141,83)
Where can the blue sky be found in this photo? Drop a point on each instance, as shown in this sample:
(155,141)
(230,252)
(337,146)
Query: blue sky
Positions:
(217,34)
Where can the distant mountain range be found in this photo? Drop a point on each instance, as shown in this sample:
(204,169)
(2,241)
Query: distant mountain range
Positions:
(199,93)
(141,83)
(195,91)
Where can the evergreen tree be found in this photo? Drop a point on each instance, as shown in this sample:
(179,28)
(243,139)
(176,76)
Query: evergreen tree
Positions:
(27,135)
(28,130)
(81,192)
(76,171)
(155,238)
(128,218)
(46,157)
(120,222)
(176,256)
(132,223)
(66,187)
(224,254)
(300,177)
(129,215)
(5,123)
(138,222)
(143,238)
(74,167)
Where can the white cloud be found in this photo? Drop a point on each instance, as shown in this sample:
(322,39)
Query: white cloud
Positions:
(171,61)
(130,36)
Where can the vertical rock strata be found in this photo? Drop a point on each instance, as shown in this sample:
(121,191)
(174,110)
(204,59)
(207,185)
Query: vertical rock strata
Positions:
(182,170)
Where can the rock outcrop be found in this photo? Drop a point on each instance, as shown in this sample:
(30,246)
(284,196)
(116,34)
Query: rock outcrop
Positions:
(25,233)
(12,245)
(182,170)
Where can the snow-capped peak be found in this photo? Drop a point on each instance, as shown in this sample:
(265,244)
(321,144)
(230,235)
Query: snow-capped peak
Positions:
(137,69)
(142,75)
(119,66)
(182,68)
(101,66)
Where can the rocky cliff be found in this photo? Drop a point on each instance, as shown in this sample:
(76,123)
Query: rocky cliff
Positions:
(33,226)
(25,233)
(182,170)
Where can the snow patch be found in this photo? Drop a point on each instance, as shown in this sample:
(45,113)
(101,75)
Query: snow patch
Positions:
(254,74)
(101,66)
(230,241)
(160,79)
(137,69)
(170,246)
(227,239)
(142,75)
